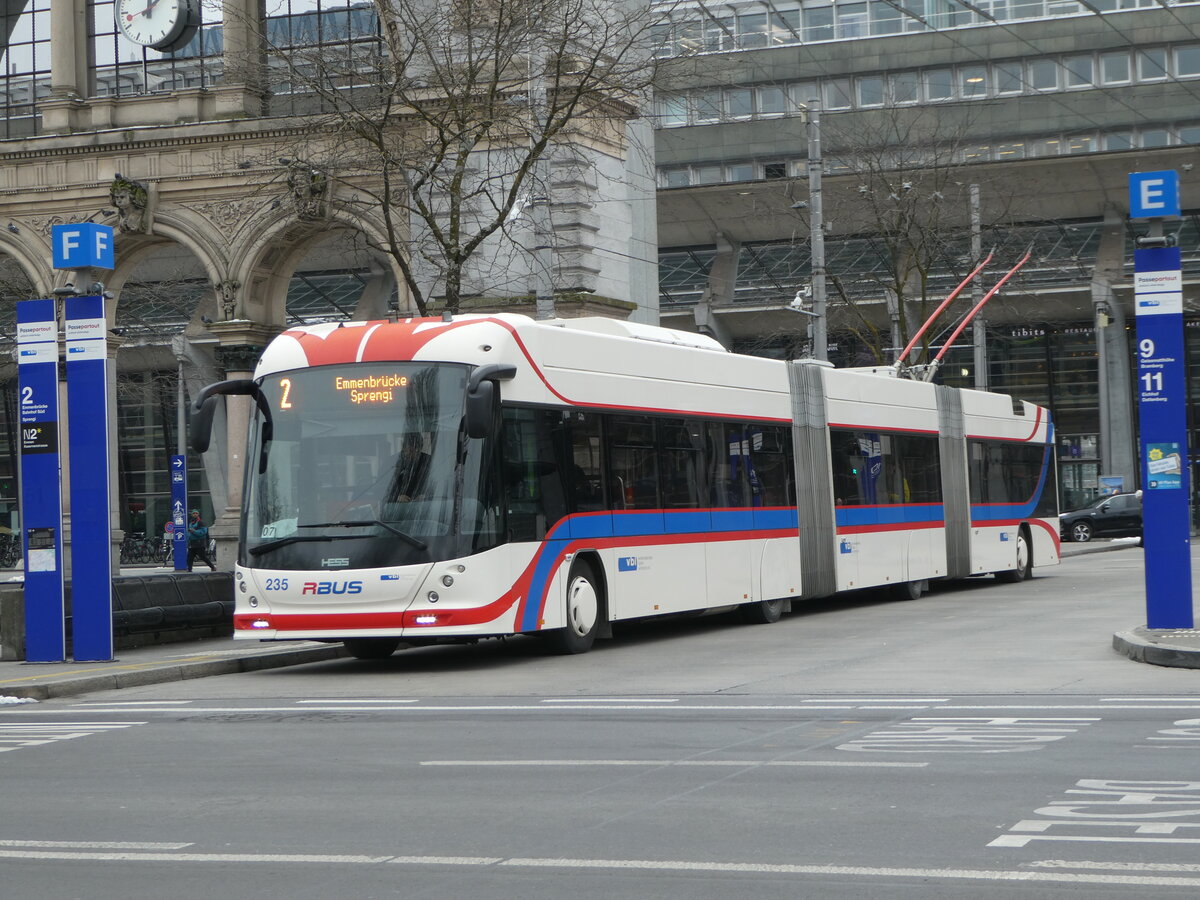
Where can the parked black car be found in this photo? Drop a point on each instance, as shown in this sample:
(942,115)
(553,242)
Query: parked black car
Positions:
(1117,515)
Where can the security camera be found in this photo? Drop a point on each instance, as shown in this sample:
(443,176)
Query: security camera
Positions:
(803,295)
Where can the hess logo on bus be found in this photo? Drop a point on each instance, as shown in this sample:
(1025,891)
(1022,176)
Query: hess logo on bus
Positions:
(332,587)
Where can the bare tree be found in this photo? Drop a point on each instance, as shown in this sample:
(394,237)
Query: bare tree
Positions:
(439,123)
(900,200)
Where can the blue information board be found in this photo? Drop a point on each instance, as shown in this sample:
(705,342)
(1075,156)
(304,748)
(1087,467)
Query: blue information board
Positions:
(88,440)
(179,517)
(1162,395)
(41,497)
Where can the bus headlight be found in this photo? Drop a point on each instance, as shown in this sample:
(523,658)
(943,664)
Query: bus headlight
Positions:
(433,597)
(253,602)
(447,580)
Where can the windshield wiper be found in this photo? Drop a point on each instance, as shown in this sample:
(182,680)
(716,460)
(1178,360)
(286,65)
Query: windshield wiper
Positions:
(408,538)
(298,539)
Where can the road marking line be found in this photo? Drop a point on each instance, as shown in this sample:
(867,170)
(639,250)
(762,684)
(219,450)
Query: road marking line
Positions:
(190,857)
(879,700)
(36,734)
(87,703)
(1022,840)
(446,860)
(1115,866)
(729,763)
(1149,699)
(625,706)
(99,845)
(731,868)
(607,700)
(396,700)
(785,869)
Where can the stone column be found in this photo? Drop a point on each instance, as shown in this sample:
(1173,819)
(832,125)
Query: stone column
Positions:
(68,67)
(1116,402)
(242,90)
(241,344)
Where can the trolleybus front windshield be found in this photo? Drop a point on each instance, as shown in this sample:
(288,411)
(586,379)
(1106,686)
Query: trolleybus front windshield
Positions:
(358,468)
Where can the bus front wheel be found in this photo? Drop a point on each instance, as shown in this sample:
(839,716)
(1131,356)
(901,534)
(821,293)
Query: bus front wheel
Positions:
(584,604)
(371,648)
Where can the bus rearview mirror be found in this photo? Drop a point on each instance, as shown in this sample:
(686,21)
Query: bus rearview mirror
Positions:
(481,409)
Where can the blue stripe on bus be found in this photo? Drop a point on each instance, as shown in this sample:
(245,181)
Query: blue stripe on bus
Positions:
(852,516)
(1001,512)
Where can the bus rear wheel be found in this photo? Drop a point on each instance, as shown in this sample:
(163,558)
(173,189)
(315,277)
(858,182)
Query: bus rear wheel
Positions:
(763,612)
(371,648)
(910,590)
(1024,567)
(585,600)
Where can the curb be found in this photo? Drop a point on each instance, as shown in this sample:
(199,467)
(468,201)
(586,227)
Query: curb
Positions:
(1139,649)
(1094,547)
(141,674)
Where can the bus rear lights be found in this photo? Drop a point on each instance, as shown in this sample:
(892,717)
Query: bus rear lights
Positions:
(260,623)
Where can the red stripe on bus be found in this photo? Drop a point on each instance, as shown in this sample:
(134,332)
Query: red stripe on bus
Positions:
(896,526)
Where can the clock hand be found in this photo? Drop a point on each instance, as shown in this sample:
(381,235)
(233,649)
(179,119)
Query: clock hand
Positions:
(129,17)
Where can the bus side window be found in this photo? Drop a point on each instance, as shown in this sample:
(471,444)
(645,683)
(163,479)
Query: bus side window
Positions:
(681,443)
(978,471)
(770,454)
(847,463)
(535,496)
(631,450)
(728,480)
(585,475)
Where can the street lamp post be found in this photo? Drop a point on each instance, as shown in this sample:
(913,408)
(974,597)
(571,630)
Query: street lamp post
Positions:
(818,329)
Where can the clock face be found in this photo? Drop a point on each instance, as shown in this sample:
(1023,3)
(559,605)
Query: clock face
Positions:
(161,24)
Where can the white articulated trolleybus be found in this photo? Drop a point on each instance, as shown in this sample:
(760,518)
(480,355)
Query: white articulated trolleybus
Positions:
(436,480)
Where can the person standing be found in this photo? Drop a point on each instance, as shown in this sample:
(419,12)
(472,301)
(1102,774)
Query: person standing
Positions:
(198,542)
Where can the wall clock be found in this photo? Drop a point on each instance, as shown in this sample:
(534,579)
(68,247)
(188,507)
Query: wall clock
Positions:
(159,24)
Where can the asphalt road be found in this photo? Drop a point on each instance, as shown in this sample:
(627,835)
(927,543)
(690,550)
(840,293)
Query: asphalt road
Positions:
(983,741)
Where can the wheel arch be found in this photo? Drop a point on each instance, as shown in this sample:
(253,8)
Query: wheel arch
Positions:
(1030,548)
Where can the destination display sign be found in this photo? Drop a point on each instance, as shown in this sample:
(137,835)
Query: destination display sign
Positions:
(353,389)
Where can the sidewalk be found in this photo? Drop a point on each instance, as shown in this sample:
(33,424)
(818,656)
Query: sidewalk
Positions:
(156,665)
(1177,648)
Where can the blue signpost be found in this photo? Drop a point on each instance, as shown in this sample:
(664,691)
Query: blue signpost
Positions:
(1162,417)
(41,498)
(88,440)
(179,512)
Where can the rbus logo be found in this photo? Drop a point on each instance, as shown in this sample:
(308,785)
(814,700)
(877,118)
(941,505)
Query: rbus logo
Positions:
(332,587)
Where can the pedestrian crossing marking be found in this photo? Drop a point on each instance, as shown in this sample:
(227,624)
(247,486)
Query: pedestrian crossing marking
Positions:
(36,734)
